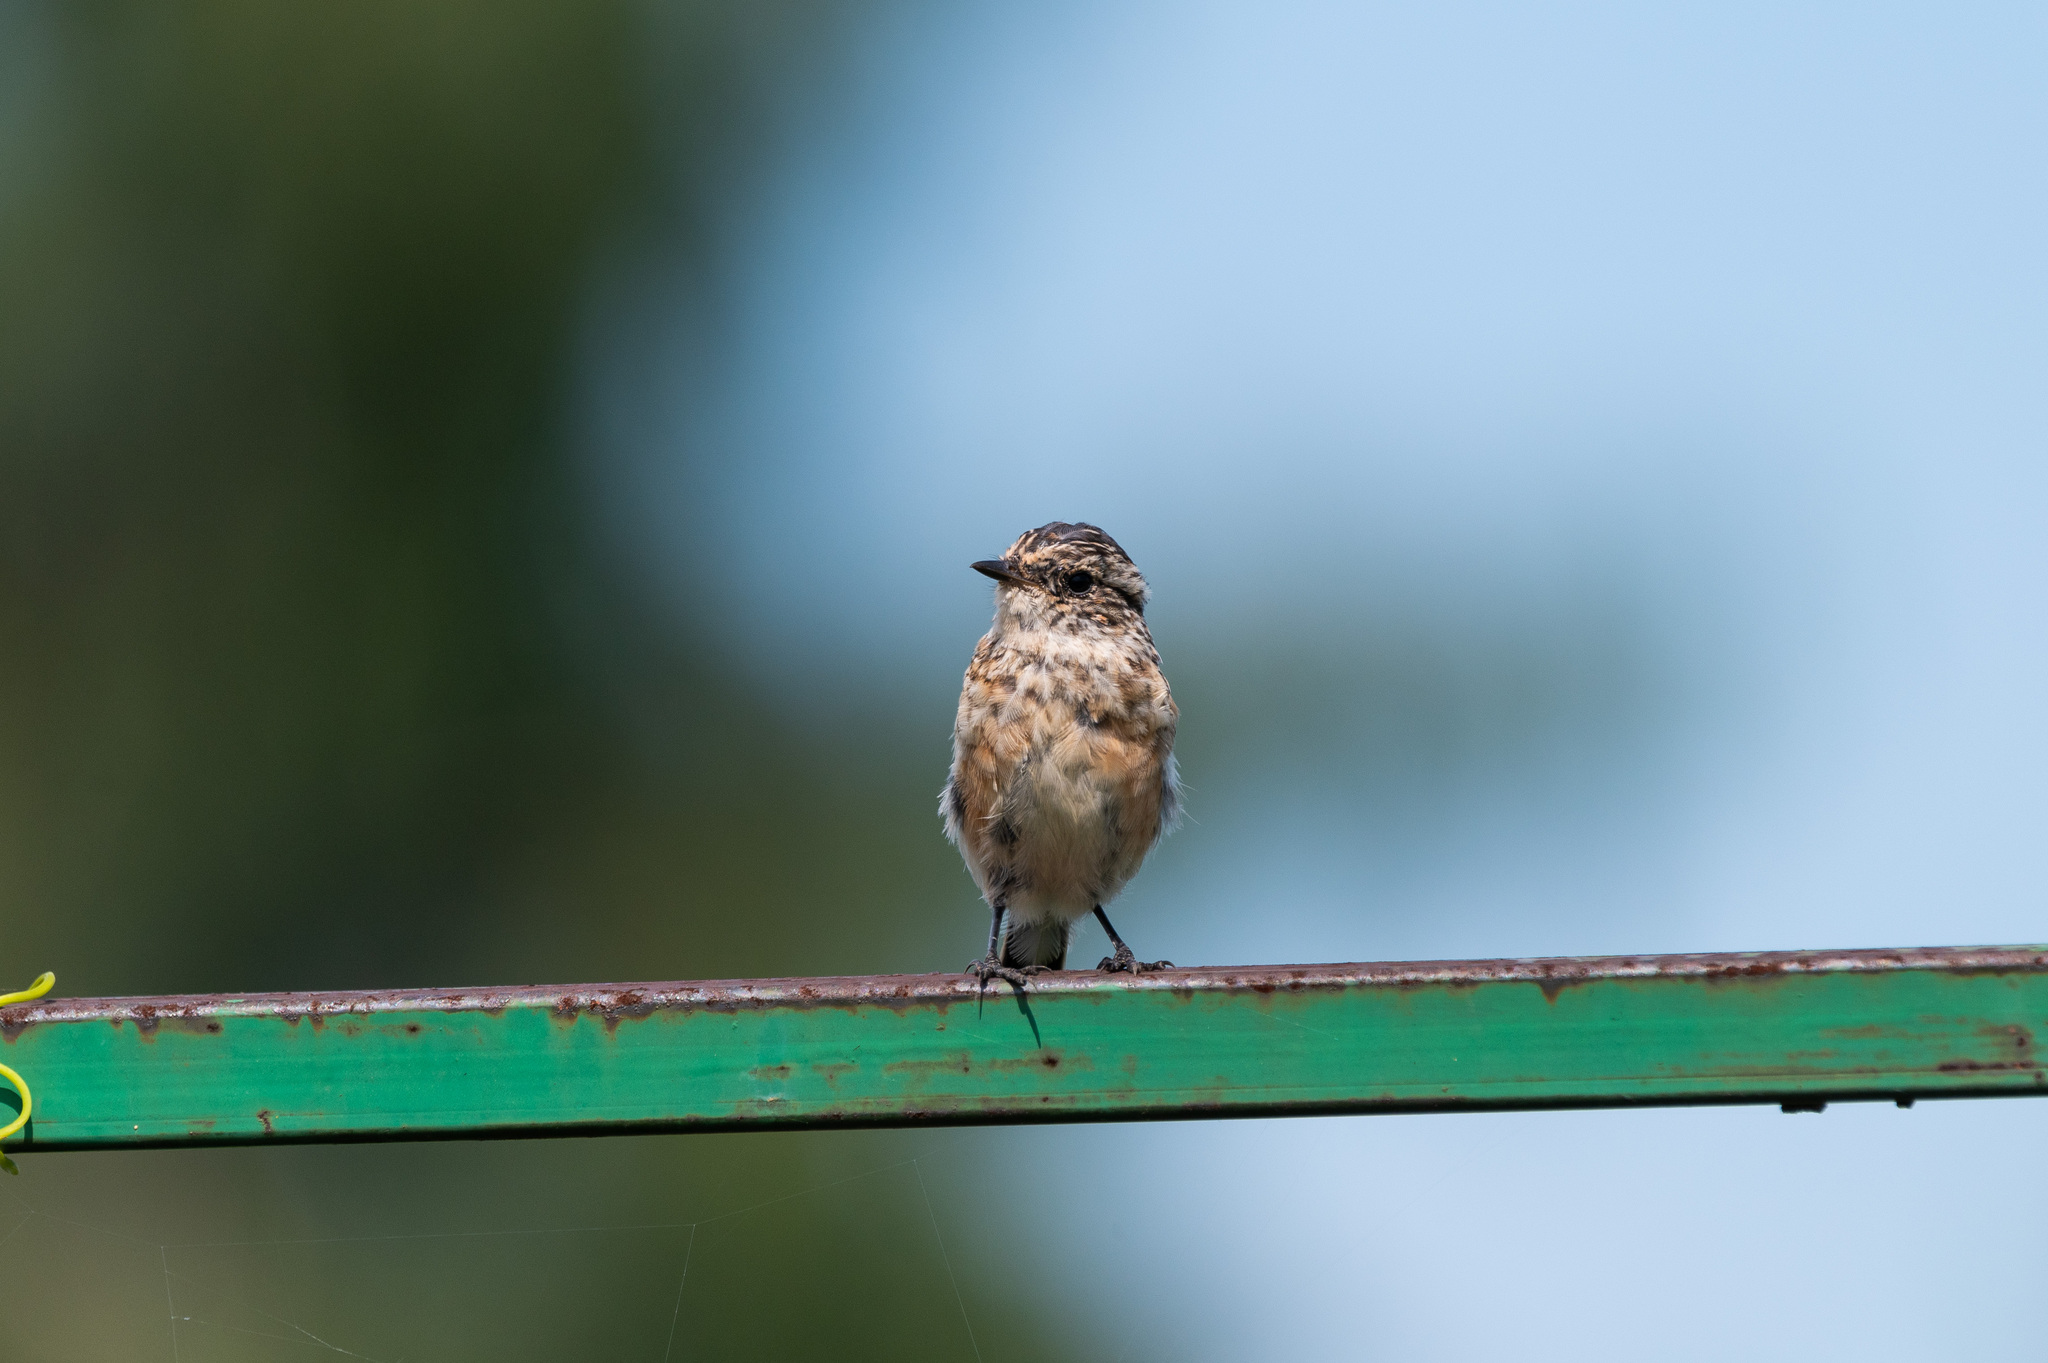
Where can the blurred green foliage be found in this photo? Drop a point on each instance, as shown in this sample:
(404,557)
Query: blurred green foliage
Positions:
(313,668)
(316,670)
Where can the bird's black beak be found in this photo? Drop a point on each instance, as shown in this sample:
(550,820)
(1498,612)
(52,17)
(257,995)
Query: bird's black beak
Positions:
(997,569)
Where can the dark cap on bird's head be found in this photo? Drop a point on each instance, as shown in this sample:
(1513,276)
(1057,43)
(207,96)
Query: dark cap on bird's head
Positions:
(1070,561)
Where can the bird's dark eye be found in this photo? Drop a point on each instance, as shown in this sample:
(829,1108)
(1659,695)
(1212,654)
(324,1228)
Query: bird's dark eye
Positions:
(1080,582)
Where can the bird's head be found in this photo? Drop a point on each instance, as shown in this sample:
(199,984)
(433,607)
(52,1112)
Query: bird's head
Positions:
(1067,571)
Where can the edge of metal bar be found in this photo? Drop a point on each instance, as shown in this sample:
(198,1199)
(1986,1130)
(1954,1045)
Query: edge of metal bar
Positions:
(614,1002)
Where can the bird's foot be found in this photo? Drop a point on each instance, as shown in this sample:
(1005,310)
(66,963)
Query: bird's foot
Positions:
(1123,962)
(989,968)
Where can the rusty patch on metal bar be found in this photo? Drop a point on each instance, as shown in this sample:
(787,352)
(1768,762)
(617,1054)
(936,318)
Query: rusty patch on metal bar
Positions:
(2021,1038)
(964,1063)
(1985,1066)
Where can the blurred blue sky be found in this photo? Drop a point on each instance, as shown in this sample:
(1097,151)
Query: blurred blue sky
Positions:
(1708,340)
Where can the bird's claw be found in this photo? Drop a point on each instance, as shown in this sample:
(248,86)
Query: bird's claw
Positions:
(1124,962)
(989,968)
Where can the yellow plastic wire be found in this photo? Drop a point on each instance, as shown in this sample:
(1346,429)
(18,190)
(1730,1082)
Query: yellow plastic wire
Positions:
(35,991)
(21,1087)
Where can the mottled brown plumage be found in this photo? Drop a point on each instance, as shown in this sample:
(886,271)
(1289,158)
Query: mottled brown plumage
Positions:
(1063,774)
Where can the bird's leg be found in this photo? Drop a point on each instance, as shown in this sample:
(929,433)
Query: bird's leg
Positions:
(991,967)
(1125,960)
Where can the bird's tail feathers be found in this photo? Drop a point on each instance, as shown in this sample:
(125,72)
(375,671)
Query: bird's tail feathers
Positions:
(1041,943)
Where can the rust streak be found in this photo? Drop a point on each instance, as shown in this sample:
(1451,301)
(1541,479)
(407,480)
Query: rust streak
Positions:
(963,1063)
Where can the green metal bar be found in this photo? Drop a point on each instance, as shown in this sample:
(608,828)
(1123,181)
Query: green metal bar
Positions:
(1797,1028)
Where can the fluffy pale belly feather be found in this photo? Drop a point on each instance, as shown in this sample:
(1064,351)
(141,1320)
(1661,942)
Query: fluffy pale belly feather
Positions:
(1084,815)
(1060,826)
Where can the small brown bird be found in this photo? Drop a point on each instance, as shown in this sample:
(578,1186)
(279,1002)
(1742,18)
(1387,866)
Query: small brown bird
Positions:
(1063,775)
